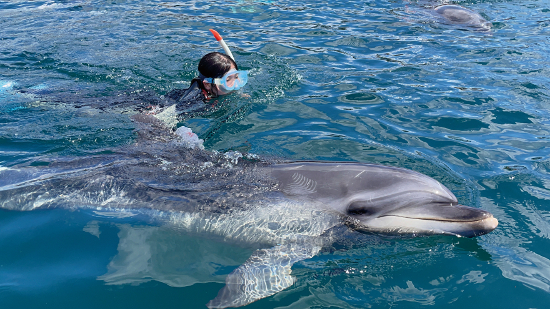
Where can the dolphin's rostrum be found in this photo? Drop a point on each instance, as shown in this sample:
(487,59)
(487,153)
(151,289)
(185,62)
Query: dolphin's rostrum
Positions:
(286,210)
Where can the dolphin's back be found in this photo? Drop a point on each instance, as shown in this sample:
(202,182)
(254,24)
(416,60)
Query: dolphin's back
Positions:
(461,16)
(342,184)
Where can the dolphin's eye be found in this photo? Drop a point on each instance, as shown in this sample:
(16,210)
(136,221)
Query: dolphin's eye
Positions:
(360,208)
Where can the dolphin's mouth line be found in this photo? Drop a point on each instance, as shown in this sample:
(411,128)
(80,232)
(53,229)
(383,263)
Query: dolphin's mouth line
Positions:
(439,220)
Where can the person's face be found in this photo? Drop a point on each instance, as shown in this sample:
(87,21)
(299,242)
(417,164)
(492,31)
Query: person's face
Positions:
(208,86)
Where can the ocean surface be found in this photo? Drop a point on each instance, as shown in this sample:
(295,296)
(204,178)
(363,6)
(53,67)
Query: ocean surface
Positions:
(370,81)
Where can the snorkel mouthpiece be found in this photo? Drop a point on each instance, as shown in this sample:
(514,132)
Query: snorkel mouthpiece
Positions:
(222,43)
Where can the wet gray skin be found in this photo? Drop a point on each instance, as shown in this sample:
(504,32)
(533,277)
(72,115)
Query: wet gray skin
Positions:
(459,16)
(384,199)
(284,209)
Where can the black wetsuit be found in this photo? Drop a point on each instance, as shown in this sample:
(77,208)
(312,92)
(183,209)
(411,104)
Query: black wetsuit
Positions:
(188,99)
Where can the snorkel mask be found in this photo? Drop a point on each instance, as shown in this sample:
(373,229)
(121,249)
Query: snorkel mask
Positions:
(232,80)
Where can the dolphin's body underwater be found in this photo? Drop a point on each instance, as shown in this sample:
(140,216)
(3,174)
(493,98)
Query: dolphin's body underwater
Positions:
(286,210)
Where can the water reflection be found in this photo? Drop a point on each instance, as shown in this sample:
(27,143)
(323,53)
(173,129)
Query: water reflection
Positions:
(521,265)
(519,201)
(361,270)
(148,253)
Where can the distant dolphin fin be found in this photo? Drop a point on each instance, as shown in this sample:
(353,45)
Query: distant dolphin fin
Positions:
(300,185)
(265,273)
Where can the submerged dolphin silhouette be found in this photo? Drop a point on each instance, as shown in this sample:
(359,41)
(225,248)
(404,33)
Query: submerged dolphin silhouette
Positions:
(457,15)
(285,209)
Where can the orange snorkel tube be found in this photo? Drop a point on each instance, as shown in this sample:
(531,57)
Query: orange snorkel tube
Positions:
(222,43)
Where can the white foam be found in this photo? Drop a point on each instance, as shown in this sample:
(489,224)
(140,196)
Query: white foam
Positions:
(168,116)
(189,139)
(6,85)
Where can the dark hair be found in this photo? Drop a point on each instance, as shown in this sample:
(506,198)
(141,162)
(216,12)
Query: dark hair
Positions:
(215,65)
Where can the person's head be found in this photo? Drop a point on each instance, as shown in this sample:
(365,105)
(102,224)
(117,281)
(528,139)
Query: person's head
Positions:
(214,68)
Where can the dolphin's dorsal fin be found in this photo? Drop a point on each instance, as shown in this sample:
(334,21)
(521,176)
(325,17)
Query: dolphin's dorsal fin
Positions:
(300,185)
(265,273)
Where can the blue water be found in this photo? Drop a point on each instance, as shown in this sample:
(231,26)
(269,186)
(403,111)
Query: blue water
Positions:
(368,81)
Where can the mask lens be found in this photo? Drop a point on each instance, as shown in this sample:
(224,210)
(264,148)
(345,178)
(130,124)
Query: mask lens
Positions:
(230,79)
(234,80)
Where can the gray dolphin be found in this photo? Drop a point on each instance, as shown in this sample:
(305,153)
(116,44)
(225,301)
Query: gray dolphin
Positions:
(383,199)
(457,15)
(367,197)
(286,210)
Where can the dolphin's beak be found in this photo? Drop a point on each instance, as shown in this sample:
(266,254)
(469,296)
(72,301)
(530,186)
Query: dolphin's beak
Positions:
(436,218)
(441,212)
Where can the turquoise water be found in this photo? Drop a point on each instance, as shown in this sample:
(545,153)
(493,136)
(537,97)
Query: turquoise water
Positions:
(378,82)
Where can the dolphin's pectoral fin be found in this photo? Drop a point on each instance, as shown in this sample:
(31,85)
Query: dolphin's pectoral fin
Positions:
(265,273)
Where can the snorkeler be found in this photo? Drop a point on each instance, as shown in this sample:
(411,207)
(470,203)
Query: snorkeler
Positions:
(218,75)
